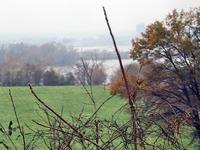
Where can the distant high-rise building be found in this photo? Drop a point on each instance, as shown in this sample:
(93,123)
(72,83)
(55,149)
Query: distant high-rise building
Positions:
(139,29)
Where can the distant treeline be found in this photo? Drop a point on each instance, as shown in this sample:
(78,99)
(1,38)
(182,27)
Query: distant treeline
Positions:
(34,75)
(83,73)
(50,54)
(23,63)
(47,54)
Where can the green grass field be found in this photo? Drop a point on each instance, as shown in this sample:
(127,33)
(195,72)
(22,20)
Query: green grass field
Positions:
(72,99)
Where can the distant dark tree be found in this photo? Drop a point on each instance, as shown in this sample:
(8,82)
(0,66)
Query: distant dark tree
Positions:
(70,79)
(37,76)
(33,73)
(19,79)
(28,70)
(51,77)
(7,79)
(62,80)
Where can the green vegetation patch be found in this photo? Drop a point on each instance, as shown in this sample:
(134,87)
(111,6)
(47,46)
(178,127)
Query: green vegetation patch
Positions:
(72,99)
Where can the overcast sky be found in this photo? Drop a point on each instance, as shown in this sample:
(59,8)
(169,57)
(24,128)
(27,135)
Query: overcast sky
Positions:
(83,16)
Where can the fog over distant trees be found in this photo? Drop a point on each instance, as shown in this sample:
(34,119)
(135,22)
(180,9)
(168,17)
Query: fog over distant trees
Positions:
(22,63)
(51,54)
(47,54)
(102,55)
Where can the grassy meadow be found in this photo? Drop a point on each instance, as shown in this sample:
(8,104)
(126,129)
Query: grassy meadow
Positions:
(73,99)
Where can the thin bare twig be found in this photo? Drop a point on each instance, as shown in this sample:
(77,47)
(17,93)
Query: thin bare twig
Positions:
(81,135)
(18,123)
(131,96)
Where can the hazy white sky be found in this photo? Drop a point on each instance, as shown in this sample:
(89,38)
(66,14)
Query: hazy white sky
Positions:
(84,16)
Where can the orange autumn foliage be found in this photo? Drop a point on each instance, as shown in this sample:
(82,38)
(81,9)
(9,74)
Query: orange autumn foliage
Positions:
(134,74)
